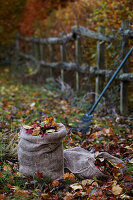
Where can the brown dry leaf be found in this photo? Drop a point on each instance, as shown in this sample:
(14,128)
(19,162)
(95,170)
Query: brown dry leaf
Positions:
(76,186)
(123,196)
(101,159)
(87,182)
(19,174)
(16,188)
(129,147)
(79,134)
(2,196)
(9,185)
(130,135)
(117,165)
(95,184)
(28,112)
(109,131)
(116,190)
(128,177)
(36,131)
(45,196)
(72,177)
(36,93)
(49,119)
(19,113)
(63,102)
(69,176)
(110,123)
(8,116)
(55,183)
(27,126)
(131,161)
(80,194)
(68,196)
(94,135)
(66,176)
(89,189)
(7,168)
(53,123)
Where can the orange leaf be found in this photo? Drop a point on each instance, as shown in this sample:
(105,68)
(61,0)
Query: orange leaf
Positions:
(119,165)
(55,183)
(128,177)
(2,196)
(79,134)
(70,176)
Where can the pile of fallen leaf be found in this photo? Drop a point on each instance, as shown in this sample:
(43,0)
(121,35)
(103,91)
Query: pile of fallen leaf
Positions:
(108,168)
(48,125)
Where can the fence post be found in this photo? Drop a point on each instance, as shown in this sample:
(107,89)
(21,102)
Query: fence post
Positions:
(100,63)
(26,47)
(63,58)
(36,48)
(124,84)
(33,47)
(51,57)
(78,59)
(41,50)
(17,50)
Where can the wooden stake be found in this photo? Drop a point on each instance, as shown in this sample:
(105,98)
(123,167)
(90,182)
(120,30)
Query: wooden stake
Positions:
(78,59)
(100,63)
(63,58)
(51,57)
(124,84)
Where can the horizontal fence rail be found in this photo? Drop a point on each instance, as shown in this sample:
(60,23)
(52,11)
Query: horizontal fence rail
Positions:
(75,37)
(52,40)
(91,34)
(85,69)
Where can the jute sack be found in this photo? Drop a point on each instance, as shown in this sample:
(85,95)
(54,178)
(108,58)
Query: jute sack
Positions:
(43,155)
(82,162)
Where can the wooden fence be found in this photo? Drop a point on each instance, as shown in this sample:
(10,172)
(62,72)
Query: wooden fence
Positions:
(75,36)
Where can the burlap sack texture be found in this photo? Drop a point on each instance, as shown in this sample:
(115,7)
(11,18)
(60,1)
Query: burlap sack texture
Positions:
(45,155)
(82,163)
(42,154)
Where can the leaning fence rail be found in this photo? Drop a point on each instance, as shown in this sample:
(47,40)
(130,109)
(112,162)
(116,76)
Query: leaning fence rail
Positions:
(75,36)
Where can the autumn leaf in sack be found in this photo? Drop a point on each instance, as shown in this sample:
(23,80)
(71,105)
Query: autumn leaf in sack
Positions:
(48,125)
(108,168)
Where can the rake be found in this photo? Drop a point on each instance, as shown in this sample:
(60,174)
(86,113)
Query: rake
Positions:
(86,119)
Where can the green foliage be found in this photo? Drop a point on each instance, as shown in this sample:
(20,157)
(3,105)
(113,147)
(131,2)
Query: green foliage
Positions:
(130,168)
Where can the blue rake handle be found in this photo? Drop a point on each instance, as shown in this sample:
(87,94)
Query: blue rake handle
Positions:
(87,117)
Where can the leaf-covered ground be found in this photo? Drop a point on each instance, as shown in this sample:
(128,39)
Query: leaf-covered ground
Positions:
(26,103)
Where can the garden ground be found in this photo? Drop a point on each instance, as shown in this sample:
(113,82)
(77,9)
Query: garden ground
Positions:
(26,103)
